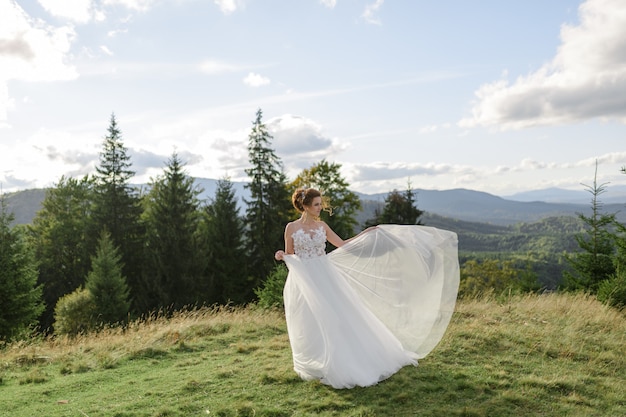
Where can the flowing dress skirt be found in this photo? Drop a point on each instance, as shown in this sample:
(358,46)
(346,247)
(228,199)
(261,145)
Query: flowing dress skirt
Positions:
(380,302)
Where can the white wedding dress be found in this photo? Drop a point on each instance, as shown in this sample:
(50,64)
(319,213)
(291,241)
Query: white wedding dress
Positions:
(378,303)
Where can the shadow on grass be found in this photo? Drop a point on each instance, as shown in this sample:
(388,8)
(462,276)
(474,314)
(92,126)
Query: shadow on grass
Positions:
(425,391)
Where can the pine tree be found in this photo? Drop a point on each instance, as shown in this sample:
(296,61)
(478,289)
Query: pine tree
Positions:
(327,178)
(269,206)
(595,263)
(224,232)
(20,296)
(174,259)
(399,208)
(61,235)
(106,283)
(612,290)
(117,208)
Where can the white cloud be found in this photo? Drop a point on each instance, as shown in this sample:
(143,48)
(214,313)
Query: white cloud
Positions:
(531,165)
(389,171)
(384,176)
(586,79)
(41,159)
(138,5)
(229,148)
(433,128)
(369,14)
(106,50)
(605,159)
(6,104)
(80,11)
(30,50)
(329,3)
(114,33)
(255,80)
(300,142)
(229,6)
(428,129)
(18,47)
(213,66)
(295,135)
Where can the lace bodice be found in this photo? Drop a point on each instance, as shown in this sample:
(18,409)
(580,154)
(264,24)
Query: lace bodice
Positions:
(309,244)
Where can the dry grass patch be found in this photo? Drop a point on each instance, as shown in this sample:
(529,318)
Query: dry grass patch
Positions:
(548,355)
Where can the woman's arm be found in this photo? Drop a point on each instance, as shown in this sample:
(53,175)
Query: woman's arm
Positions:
(288,244)
(338,242)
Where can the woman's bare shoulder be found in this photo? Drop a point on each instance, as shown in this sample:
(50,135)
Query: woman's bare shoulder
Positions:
(291,225)
(325,225)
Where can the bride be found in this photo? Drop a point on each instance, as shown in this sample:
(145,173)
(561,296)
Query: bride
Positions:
(380,301)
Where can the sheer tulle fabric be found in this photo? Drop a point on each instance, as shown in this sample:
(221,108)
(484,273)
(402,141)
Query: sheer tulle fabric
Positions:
(380,302)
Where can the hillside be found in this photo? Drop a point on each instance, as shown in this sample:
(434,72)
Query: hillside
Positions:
(461,204)
(536,355)
(521,237)
(25,204)
(481,207)
(616,194)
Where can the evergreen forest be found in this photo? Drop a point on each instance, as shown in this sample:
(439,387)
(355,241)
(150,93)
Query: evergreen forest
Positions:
(101,252)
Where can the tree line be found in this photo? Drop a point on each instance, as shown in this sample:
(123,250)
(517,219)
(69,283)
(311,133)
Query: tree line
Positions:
(102,251)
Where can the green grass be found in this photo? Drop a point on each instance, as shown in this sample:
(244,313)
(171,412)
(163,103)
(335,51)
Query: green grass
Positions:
(549,355)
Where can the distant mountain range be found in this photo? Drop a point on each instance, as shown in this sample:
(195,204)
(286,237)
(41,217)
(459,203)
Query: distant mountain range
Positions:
(461,204)
(481,207)
(615,194)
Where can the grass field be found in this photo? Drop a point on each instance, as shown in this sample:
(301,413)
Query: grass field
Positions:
(535,355)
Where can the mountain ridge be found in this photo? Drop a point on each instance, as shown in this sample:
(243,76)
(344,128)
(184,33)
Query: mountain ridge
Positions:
(458,203)
(615,194)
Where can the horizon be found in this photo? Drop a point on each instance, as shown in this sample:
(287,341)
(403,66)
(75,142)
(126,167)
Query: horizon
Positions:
(546,195)
(498,98)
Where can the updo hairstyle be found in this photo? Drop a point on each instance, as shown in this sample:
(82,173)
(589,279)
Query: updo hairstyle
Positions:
(304,197)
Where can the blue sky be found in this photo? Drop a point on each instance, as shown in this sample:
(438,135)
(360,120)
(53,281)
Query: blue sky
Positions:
(495,96)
